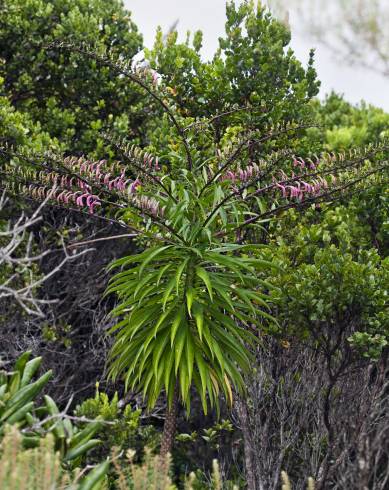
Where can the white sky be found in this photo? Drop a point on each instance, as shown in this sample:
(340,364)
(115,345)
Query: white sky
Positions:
(209,16)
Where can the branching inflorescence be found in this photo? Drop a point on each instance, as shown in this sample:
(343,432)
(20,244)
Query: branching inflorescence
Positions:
(138,180)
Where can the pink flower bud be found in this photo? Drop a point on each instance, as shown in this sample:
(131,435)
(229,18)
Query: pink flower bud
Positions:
(135,185)
(90,199)
(80,201)
(283,189)
(93,205)
(98,170)
(60,196)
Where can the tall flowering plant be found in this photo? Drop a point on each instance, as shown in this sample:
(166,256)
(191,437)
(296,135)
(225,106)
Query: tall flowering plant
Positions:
(191,304)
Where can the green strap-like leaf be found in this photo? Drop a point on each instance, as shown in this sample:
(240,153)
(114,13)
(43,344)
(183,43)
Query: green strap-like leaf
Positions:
(152,255)
(179,272)
(198,314)
(203,275)
(190,295)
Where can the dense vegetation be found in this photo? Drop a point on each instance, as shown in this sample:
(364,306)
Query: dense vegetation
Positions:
(193,260)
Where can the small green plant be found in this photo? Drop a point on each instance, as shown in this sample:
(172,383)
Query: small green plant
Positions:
(18,392)
(122,426)
(210,435)
(18,407)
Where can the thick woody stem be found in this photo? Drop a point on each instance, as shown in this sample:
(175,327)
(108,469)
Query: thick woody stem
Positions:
(169,428)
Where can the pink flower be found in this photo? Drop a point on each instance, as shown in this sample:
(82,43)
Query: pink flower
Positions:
(230,175)
(67,196)
(155,77)
(90,199)
(92,206)
(79,200)
(323,182)
(83,185)
(92,167)
(135,185)
(298,190)
(75,195)
(307,187)
(283,189)
(98,170)
(120,183)
(316,187)
(111,184)
(61,196)
(292,190)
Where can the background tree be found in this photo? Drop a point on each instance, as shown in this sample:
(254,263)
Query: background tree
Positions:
(334,248)
(339,333)
(353,30)
(254,76)
(70,99)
